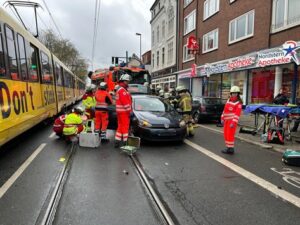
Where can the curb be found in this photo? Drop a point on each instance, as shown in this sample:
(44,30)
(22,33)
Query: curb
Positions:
(269,147)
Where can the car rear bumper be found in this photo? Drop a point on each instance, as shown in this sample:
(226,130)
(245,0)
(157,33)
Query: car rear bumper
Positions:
(160,134)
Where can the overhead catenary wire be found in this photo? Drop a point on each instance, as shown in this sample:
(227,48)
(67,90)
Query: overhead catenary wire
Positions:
(96,26)
(50,14)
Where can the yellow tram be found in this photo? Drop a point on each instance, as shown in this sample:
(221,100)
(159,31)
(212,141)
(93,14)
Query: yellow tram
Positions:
(34,84)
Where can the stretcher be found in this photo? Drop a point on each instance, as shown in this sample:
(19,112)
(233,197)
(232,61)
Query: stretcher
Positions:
(273,117)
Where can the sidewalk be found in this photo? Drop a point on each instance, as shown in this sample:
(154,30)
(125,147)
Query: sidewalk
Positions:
(248,120)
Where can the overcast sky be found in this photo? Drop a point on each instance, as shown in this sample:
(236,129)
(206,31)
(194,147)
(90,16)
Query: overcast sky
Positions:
(119,21)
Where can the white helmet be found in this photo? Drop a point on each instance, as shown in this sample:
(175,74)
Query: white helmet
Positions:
(180,88)
(167,95)
(93,86)
(235,89)
(158,87)
(161,93)
(88,87)
(79,109)
(103,86)
(125,77)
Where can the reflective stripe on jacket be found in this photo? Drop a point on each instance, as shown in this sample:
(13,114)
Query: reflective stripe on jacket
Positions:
(72,122)
(185,103)
(123,101)
(103,99)
(88,100)
(232,111)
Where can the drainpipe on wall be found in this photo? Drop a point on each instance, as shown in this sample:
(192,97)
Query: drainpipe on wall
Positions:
(294,84)
(177,40)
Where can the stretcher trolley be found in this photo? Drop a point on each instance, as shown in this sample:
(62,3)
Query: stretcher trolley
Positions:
(275,123)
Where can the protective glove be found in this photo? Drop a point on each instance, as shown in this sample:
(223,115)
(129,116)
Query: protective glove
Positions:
(231,125)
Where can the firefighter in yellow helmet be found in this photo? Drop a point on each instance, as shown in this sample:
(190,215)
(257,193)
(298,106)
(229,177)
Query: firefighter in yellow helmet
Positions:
(185,104)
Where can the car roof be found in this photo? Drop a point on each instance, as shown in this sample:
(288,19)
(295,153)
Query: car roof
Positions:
(198,97)
(144,96)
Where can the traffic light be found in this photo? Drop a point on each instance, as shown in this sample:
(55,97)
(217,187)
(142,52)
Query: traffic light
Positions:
(114,60)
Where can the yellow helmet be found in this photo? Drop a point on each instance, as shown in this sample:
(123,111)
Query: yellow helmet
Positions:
(235,89)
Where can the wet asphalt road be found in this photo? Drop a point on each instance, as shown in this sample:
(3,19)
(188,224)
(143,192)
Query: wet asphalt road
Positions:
(194,188)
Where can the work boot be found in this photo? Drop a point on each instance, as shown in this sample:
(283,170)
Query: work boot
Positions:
(117,144)
(229,151)
(104,140)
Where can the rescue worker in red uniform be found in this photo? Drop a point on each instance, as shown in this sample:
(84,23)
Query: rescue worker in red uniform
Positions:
(103,100)
(230,117)
(88,101)
(73,124)
(124,109)
(58,125)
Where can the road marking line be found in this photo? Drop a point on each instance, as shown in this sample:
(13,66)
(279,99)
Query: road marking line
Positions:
(22,168)
(248,175)
(52,135)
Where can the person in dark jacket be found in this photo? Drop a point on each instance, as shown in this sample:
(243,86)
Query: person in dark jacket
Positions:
(281,98)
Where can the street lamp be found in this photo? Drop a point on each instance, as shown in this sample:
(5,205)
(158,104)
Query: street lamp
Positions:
(138,34)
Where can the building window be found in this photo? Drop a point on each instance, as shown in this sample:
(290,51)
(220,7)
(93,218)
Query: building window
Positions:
(163,29)
(152,37)
(157,60)
(210,8)
(210,41)
(187,2)
(170,20)
(186,55)
(157,32)
(241,27)
(190,22)
(153,60)
(286,14)
(170,52)
(163,56)
(46,69)
(231,1)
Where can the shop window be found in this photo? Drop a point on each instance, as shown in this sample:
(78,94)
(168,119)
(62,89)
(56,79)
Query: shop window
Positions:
(2,61)
(298,88)
(12,55)
(241,27)
(22,57)
(234,79)
(214,86)
(287,80)
(33,64)
(262,90)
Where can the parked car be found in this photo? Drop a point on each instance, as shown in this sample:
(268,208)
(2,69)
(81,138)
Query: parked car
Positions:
(207,108)
(156,120)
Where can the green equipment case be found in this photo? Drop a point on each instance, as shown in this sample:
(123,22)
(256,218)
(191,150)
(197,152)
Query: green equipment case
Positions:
(291,157)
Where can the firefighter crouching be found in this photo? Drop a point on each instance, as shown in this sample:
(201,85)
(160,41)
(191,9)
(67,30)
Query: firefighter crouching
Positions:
(103,100)
(185,104)
(58,125)
(88,101)
(123,109)
(73,124)
(230,117)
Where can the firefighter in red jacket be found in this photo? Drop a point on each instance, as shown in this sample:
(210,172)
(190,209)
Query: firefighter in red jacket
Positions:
(103,100)
(58,125)
(123,108)
(230,117)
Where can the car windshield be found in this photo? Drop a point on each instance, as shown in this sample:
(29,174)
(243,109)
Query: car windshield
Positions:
(212,101)
(151,105)
(137,88)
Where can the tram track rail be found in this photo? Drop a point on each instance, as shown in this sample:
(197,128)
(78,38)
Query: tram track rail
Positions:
(49,214)
(164,214)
